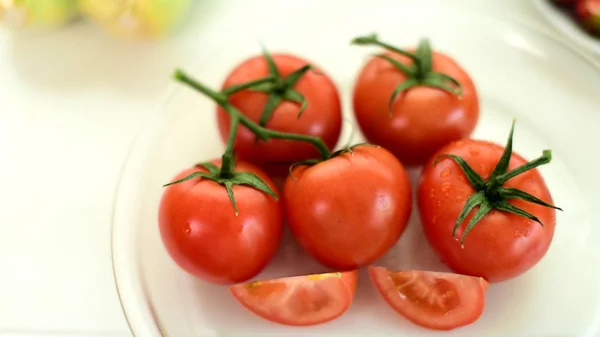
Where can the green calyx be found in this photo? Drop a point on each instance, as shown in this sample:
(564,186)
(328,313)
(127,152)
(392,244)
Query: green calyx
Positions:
(419,73)
(233,178)
(226,174)
(491,195)
(281,89)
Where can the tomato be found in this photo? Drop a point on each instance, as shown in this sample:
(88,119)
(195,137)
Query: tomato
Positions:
(503,243)
(300,300)
(441,301)
(348,210)
(589,15)
(322,117)
(203,235)
(421,119)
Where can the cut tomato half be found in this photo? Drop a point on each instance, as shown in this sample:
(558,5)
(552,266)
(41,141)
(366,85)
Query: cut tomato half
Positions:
(440,301)
(299,300)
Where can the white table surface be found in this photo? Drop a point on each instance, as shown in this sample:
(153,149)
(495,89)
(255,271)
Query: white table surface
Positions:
(70,105)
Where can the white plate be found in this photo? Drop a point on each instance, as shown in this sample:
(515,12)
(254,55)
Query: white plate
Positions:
(567,26)
(520,72)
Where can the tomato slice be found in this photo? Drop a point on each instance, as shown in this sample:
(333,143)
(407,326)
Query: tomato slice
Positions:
(300,300)
(440,301)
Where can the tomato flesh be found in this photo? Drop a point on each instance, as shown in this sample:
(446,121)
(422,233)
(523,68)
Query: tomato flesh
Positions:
(299,300)
(440,301)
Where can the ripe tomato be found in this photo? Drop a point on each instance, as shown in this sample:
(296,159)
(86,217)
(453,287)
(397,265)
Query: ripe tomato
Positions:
(502,244)
(322,117)
(441,301)
(349,210)
(588,12)
(300,300)
(204,236)
(421,119)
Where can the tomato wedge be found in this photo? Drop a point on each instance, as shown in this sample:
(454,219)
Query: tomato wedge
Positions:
(299,300)
(440,301)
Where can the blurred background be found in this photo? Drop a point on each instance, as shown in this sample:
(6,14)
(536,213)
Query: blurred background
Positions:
(77,81)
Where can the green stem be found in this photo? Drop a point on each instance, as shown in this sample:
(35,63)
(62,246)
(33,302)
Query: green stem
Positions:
(248,85)
(228,160)
(373,40)
(218,97)
(237,117)
(544,159)
(265,134)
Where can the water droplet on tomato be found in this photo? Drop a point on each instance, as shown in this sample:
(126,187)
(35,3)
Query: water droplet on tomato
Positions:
(187,230)
(446,186)
(526,233)
(445,172)
(473,151)
(517,233)
(438,203)
(434,219)
(460,143)
(459,198)
(482,167)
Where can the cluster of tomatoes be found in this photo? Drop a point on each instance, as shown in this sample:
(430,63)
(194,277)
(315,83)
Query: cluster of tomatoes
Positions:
(481,206)
(585,12)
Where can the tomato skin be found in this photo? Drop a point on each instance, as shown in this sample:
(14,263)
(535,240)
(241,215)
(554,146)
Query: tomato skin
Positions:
(349,210)
(501,245)
(440,301)
(322,117)
(202,234)
(423,119)
(315,299)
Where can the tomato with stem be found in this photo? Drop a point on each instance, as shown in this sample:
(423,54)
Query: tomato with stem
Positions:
(440,301)
(302,99)
(413,103)
(207,237)
(222,221)
(300,300)
(485,210)
(350,209)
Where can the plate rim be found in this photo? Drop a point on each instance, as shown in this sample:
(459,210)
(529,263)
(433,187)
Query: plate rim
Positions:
(172,89)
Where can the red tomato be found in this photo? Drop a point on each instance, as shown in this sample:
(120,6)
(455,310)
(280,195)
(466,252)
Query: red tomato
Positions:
(441,301)
(349,210)
(423,119)
(300,300)
(501,245)
(203,235)
(322,117)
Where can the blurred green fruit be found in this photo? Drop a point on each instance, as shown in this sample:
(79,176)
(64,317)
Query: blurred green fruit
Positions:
(138,18)
(43,13)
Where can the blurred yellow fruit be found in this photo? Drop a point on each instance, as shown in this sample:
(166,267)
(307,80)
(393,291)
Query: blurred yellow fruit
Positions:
(137,18)
(43,13)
